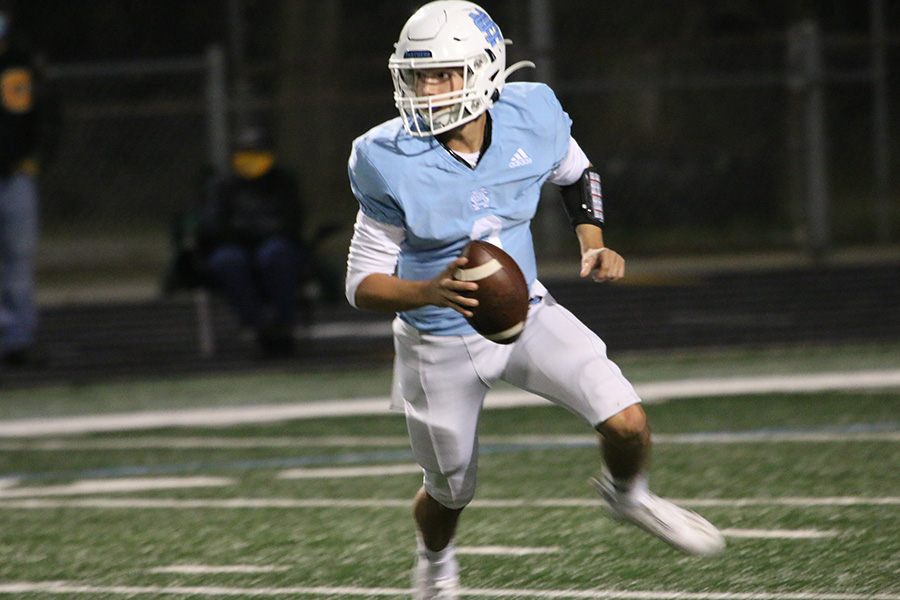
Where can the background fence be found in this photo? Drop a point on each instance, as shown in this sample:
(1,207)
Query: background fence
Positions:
(715,131)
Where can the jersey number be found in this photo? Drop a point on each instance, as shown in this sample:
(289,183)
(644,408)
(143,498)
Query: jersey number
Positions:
(487,228)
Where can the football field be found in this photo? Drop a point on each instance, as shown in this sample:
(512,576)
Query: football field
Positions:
(261,486)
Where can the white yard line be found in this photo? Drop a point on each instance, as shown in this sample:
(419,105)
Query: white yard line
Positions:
(108,486)
(201,417)
(340,472)
(8,482)
(227,416)
(813,382)
(216,569)
(204,443)
(505,550)
(242,443)
(67,588)
(673,595)
(785,534)
(740,437)
(343,503)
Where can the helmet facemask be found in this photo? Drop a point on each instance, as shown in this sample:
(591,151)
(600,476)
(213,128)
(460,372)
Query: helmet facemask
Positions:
(434,114)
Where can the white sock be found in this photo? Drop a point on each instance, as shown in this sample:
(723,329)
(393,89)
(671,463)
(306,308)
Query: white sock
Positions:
(442,563)
(448,554)
(633,490)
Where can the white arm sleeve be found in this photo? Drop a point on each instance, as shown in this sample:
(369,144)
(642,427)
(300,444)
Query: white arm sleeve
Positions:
(572,166)
(374,248)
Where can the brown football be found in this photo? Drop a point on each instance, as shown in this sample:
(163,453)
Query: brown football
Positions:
(502,293)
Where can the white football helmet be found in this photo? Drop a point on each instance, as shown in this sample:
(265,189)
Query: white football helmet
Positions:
(449,34)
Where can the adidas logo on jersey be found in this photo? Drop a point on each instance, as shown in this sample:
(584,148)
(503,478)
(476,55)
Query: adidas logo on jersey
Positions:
(519,159)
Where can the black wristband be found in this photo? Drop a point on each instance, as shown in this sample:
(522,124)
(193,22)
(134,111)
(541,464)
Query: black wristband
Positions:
(583,199)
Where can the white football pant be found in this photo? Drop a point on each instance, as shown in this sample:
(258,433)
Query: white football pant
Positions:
(440,382)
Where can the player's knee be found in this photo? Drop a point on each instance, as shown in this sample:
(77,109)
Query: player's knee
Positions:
(454,490)
(626,428)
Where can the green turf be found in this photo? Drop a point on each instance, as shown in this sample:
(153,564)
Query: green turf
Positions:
(340,382)
(372,546)
(194,391)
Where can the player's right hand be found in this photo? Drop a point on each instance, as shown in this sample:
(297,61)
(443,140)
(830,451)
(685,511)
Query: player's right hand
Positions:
(447,292)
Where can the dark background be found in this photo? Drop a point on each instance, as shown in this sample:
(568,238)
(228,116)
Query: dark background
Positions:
(119,29)
(696,114)
(687,107)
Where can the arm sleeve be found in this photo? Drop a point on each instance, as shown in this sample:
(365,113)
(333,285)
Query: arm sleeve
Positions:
(572,166)
(374,248)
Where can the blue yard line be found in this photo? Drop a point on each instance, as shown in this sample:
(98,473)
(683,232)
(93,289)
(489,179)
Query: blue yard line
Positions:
(378,456)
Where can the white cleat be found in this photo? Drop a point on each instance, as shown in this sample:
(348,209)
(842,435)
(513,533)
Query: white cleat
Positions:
(682,529)
(435,582)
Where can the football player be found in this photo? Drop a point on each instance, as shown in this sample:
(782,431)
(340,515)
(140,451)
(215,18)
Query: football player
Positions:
(466,159)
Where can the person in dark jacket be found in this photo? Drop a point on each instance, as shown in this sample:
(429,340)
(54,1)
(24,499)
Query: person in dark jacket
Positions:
(20,141)
(251,237)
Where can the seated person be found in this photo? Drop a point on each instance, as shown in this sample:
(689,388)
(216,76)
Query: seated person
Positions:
(250,236)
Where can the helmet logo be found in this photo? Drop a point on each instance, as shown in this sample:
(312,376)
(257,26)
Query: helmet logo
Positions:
(486,25)
(417,54)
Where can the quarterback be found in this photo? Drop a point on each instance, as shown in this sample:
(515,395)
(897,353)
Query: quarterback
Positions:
(466,159)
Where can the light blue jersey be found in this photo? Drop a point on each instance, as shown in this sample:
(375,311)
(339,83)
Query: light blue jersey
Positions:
(416,184)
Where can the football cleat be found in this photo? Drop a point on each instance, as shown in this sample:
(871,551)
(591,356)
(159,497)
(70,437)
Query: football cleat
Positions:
(435,581)
(682,529)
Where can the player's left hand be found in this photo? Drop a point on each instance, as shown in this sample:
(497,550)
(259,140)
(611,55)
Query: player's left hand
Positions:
(602,264)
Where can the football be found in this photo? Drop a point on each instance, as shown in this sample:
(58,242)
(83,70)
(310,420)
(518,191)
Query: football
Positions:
(502,293)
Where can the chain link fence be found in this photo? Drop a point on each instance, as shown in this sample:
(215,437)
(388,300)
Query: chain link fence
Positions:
(717,145)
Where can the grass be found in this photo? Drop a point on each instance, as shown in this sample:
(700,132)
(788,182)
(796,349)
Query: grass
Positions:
(110,545)
(292,386)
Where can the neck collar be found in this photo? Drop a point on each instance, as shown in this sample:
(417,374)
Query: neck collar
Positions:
(485,143)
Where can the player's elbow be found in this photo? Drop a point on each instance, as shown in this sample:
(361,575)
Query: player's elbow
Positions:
(363,293)
(351,287)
